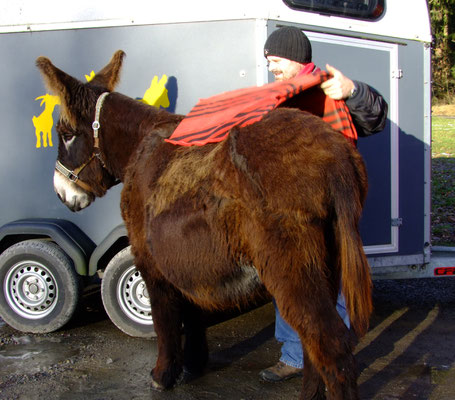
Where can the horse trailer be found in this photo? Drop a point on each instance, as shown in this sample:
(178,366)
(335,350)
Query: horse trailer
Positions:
(177,53)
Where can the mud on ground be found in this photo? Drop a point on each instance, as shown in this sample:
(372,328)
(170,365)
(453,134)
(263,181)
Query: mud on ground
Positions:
(408,353)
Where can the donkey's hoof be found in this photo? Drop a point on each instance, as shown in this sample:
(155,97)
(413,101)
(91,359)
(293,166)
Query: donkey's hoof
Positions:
(165,379)
(184,377)
(157,386)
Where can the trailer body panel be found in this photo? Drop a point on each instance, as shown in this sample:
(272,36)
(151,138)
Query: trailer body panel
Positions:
(205,50)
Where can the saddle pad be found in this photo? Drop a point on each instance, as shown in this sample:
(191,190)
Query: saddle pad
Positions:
(211,119)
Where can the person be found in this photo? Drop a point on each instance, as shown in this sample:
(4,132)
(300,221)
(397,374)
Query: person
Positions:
(289,54)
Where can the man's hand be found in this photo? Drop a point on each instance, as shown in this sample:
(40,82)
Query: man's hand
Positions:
(339,87)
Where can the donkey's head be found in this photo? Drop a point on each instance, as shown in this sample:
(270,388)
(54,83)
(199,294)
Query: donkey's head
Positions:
(81,173)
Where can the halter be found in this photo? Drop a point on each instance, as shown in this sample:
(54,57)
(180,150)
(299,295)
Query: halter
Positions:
(73,175)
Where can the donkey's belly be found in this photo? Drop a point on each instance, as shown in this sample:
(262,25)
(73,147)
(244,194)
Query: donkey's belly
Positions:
(238,287)
(197,252)
(241,286)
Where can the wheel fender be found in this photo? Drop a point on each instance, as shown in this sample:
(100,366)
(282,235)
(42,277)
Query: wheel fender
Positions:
(119,232)
(73,241)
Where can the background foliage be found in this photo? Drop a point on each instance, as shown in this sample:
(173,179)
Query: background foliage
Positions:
(442,14)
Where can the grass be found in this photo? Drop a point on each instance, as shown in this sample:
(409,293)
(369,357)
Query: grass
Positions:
(443,181)
(443,137)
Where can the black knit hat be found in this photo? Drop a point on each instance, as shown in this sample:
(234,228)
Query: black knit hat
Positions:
(288,42)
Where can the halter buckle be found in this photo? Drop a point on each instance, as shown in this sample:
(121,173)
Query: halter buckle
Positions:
(96,125)
(73,177)
(67,173)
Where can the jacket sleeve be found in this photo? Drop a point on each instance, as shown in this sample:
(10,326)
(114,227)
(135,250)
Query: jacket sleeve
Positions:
(368,110)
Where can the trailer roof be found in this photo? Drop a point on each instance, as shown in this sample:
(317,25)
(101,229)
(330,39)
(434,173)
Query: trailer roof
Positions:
(403,19)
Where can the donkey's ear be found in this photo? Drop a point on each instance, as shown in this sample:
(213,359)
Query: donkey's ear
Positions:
(109,76)
(60,84)
(56,81)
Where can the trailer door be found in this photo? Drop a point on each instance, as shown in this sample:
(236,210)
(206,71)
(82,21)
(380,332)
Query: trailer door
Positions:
(375,63)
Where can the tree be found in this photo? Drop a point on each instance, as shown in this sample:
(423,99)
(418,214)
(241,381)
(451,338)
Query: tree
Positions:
(442,14)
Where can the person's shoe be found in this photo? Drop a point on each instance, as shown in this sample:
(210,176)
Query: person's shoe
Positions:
(280,372)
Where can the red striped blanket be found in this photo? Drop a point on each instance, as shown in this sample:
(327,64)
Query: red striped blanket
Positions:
(211,119)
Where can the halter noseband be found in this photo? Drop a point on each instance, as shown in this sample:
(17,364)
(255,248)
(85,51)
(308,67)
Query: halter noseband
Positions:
(73,175)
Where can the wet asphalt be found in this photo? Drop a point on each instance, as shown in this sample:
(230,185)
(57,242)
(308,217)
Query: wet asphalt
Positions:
(408,353)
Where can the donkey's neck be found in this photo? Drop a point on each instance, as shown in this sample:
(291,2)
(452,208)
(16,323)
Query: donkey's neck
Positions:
(127,122)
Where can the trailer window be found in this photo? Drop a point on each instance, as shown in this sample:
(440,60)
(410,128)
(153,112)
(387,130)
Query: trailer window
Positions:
(361,9)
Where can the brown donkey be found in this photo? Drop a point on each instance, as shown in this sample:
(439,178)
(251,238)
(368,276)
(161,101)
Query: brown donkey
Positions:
(276,205)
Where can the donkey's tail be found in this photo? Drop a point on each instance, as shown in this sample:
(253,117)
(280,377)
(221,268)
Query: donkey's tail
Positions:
(355,271)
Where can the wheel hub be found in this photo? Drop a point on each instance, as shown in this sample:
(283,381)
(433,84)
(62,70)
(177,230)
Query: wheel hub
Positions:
(30,289)
(133,297)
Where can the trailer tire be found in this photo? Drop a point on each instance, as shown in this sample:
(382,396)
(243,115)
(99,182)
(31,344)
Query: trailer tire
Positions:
(125,296)
(40,288)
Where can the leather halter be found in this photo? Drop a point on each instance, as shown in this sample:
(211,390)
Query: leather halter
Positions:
(73,175)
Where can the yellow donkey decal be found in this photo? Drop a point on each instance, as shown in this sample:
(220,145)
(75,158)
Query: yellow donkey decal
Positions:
(44,122)
(156,95)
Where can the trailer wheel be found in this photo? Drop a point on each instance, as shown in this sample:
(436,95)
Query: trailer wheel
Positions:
(40,288)
(125,296)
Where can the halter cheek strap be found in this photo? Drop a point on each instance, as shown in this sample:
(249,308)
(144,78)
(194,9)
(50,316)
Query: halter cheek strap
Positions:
(96,123)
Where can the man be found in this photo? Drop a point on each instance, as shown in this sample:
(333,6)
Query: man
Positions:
(289,54)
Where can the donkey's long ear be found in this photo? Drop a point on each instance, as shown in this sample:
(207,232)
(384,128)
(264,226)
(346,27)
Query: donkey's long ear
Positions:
(60,84)
(109,76)
(56,81)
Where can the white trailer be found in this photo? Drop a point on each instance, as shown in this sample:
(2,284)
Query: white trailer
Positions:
(179,52)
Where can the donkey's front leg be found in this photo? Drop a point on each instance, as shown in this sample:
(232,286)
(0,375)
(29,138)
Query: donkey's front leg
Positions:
(195,349)
(167,319)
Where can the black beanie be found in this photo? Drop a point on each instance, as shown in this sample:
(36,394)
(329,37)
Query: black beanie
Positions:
(288,42)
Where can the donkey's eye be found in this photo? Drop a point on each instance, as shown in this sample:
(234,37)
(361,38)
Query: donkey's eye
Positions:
(65,133)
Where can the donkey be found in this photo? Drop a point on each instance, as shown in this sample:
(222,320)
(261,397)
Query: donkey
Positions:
(276,205)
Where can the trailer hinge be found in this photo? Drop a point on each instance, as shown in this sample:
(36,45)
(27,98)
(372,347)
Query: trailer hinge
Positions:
(397,221)
(397,74)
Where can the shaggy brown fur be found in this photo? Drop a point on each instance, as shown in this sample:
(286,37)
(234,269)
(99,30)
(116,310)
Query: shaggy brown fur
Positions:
(276,205)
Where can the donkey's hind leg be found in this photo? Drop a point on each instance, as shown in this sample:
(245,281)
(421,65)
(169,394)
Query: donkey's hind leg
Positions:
(313,384)
(308,306)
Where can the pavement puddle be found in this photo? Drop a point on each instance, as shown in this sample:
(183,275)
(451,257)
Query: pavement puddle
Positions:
(28,355)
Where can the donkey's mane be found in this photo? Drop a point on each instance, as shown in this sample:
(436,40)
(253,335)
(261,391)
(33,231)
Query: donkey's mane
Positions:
(143,119)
